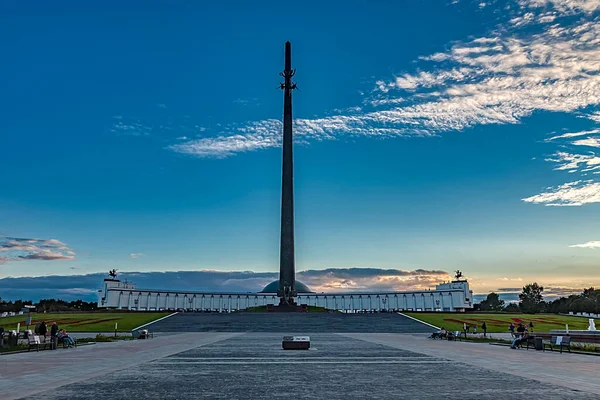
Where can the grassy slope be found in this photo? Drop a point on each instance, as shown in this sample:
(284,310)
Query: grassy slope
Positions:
(87,322)
(499,322)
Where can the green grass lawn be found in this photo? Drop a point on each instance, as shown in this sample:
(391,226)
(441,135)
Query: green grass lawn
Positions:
(86,322)
(498,322)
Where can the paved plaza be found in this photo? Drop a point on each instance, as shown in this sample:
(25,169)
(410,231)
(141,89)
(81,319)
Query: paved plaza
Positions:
(340,365)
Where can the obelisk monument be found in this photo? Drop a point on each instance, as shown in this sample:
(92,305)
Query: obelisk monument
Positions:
(287,268)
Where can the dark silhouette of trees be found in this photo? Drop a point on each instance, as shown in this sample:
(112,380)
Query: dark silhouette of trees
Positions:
(586,302)
(512,308)
(492,303)
(48,305)
(531,299)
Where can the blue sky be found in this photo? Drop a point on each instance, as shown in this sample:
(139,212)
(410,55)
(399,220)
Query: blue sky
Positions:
(145,137)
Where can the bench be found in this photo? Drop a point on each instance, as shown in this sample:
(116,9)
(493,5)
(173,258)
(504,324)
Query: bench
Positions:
(35,341)
(62,340)
(438,335)
(454,335)
(529,341)
(142,334)
(561,341)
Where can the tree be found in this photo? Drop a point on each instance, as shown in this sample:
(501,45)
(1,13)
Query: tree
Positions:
(492,303)
(512,308)
(531,299)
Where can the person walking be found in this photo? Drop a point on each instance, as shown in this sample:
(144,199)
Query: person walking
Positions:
(43,330)
(54,335)
(484,327)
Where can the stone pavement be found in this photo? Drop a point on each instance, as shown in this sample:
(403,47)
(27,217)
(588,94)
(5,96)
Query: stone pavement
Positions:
(339,366)
(576,371)
(26,374)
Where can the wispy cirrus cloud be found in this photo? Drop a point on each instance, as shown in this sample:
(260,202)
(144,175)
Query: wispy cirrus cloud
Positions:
(130,128)
(550,65)
(577,158)
(563,7)
(576,193)
(136,255)
(505,279)
(19,249)
(594,244)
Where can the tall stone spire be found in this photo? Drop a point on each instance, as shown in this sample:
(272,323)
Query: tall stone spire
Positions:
(287,267)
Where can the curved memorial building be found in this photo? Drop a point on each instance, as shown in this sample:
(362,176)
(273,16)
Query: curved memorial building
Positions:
(451,296)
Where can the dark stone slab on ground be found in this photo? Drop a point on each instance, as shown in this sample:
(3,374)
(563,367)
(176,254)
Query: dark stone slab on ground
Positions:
(254,366)
(290,323)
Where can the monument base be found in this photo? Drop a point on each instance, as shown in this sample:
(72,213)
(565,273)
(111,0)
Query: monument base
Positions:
(295,343)
(286,307)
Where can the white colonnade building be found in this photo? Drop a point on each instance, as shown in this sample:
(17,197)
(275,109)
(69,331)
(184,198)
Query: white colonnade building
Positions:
(453,296)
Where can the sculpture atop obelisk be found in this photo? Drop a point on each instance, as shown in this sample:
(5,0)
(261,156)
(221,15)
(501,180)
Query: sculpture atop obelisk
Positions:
(287,269)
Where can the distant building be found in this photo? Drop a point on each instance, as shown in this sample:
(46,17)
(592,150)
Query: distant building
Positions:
(452,296)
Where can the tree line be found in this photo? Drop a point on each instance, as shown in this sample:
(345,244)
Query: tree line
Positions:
(47,305)
(531,300)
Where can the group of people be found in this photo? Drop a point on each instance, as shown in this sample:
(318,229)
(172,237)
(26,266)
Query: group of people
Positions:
(441,334)
(56,335)
(444,334)
(521,335)
(520,329)
(467,327)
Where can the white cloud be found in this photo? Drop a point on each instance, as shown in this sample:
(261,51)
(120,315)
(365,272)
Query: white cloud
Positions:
(590,142)
(538,60)
(135,128)
(575,193)
(136,255)
(595,116)
(564,7)
(594,244)
(574,134)
(576,162)
(572,160)
(499,78)
(20,249)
